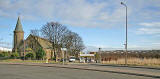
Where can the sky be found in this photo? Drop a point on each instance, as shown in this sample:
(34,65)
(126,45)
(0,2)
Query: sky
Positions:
(100,23)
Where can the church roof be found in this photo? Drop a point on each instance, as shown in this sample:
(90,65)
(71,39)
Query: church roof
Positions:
(43,42)
(18,25)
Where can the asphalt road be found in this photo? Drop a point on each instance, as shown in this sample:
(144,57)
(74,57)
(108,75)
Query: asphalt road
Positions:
(135,68)
(38,72)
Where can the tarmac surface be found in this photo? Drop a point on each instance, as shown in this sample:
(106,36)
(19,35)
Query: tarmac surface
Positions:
(54,71)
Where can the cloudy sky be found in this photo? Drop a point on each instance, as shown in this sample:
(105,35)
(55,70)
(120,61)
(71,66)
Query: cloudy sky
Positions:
(100,23)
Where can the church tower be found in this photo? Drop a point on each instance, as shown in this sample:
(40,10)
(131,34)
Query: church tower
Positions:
(18,36)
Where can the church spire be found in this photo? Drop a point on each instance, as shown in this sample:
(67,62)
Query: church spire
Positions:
(18,36)
(18,25)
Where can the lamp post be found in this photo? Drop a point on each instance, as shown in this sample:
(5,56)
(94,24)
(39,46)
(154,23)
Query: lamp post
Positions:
(24,50)
(100,55)
(126,34)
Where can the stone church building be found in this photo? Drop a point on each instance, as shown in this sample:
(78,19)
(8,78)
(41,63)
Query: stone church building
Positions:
(30,44)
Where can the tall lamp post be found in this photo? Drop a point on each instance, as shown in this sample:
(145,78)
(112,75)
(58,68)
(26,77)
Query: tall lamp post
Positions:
(126,34)
(100,55)
(24,53)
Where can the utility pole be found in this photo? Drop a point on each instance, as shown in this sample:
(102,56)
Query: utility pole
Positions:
(24,50)
(126,34)
(100,57)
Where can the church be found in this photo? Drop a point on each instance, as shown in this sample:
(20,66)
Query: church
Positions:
(30,44)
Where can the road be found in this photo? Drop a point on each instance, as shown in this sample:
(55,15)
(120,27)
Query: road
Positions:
(138,69)
(8,71)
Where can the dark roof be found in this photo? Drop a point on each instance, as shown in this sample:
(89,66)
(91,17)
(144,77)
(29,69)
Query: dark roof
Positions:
(18,25)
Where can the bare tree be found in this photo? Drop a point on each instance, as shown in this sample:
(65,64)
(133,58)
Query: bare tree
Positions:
(55,33)
(73,43)
(77,44)
(35,32)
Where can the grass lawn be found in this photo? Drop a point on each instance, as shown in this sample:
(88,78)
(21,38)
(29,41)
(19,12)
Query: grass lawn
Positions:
(26,61)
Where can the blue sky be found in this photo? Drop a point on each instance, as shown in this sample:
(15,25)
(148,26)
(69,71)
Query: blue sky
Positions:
(100,23)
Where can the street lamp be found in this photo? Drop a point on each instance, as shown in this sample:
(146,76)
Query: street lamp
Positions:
(126,34)
(24,50)
(100,55)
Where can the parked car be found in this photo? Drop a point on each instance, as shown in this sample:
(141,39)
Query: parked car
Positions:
(72,59)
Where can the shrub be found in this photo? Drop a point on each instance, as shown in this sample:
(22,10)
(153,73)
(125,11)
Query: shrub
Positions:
(40,54)
(14,55)
(1,55)
(30,56)
(5,54)
(53,58)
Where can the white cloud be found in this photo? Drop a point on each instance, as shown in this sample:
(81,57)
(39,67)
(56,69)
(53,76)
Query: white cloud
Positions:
(156,43)
(148,31)
(149,28)
(153,24)
(84,13)
(72,12)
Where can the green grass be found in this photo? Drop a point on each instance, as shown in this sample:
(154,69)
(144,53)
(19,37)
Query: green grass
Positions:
(25,61)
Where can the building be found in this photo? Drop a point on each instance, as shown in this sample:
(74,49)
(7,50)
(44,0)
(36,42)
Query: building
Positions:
(86,58)
(18,36)
(31,43)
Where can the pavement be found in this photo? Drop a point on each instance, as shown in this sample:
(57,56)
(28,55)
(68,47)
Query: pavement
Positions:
(142,72)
